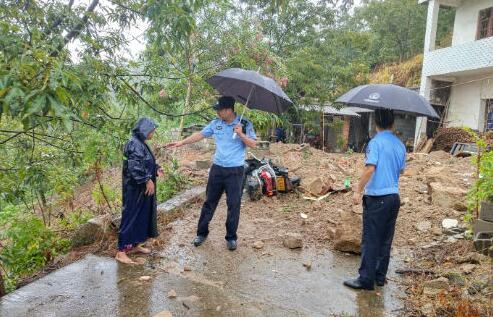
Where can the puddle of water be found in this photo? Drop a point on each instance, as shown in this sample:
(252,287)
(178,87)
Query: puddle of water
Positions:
(220,283)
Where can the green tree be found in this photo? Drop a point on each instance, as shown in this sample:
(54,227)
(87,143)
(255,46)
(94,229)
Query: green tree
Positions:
(396,27)
(298,24)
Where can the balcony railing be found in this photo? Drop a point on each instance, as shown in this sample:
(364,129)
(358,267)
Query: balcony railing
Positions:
(459,58)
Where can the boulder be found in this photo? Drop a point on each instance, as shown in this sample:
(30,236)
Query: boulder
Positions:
(348,244)
(446,196)
(293,241)
(319,187)
(436,286)
(348,233)
(91,231)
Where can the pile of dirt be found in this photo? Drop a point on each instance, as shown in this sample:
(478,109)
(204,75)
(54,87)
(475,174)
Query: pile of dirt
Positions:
(446,137)
(433,188)
(424,188)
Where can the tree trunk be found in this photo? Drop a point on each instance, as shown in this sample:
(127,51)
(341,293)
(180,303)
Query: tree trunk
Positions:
(186,106)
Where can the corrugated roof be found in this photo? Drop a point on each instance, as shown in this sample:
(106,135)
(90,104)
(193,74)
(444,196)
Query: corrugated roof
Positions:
(330,110)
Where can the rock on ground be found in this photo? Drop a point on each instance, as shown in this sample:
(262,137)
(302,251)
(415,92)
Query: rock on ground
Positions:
(258,245)
(348,233)
(172,294)
(90,232)
(423,226)
(436,286)
(446,196)
(293,241)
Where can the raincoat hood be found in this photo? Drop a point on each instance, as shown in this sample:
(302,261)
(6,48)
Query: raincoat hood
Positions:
(143,127)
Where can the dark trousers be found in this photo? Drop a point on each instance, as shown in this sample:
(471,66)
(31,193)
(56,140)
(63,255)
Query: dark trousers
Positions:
(223,179)
(379,217)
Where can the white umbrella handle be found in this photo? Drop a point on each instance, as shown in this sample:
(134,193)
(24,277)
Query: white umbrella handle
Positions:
(246,106)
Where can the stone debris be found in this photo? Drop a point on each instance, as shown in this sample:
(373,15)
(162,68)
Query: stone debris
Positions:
(258,245)
(293,241)
(172,294)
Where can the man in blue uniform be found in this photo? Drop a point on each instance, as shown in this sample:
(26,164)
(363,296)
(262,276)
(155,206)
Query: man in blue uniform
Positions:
(232,136)
(385,161)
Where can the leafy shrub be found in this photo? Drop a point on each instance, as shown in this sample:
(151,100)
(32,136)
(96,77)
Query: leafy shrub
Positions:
(113,195)
(27,246)
(172,183)
(483,187)
(75,219)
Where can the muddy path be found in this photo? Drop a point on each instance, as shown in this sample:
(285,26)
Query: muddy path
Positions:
(209,280)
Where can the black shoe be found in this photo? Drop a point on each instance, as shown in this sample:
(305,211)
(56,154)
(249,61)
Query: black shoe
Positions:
(199,240)
(381,283)
(231,245)
(356,284)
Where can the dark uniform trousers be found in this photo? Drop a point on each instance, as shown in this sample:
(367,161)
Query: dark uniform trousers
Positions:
(223,179)
(379,218)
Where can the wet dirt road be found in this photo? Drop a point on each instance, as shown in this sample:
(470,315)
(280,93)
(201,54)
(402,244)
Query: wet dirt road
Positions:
(208,281)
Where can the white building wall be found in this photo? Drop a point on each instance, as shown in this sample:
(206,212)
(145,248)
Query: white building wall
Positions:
(466,20)
(467,101)
(464,57)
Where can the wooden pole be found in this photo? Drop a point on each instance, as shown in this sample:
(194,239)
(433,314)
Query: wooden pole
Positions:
(323,131)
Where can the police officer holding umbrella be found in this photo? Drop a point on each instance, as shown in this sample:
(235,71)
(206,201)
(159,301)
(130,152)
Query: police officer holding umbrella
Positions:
(232,135)
(227,171)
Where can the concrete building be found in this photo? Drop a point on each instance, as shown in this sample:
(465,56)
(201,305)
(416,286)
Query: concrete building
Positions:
(465,68)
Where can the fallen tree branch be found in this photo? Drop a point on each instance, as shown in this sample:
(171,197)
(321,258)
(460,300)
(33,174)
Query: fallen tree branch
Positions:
(415,271)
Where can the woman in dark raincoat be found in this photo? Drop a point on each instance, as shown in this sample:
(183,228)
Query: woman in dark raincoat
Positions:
(139,219)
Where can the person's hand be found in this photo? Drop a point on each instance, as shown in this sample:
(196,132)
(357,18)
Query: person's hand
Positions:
(149,188)
(173,145)
(356,198)
(239,129)
(160,172)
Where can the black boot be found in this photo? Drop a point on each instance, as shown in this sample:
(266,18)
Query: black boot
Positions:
(231,245)
(356,284)
(199,240)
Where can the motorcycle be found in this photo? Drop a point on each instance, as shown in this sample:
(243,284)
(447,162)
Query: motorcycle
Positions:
(265,178)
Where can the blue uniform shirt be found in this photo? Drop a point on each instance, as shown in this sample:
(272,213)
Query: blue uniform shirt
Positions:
(388,154)
(229,152)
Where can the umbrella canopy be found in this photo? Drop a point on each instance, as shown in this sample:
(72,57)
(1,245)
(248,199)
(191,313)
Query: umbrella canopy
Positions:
(251,89)
(378,96)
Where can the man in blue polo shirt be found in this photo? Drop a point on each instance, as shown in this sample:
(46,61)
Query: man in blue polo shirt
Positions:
(385,161)
(227,172)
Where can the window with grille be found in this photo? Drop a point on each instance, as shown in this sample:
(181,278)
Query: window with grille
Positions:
(485,24)
(489,114)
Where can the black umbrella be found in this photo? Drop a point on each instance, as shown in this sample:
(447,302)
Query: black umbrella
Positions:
(388,96)
(251,89)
